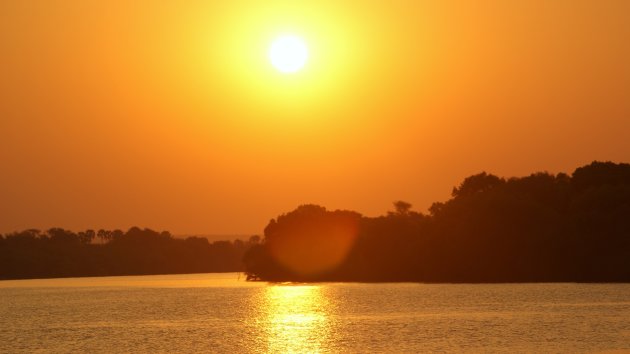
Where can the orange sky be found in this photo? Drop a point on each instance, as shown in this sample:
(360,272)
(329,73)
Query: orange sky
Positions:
(167,114)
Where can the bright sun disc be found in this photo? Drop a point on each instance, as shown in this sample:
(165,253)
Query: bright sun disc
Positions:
(288,54)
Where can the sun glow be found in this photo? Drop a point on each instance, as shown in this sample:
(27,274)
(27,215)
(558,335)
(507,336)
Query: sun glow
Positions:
(288,61)
(288,54)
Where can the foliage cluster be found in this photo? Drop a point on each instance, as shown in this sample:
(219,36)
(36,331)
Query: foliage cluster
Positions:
(63,253)
(538,228)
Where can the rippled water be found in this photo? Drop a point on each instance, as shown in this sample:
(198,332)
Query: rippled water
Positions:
(220,313)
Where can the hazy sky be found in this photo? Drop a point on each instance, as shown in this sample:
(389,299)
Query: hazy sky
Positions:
(168,115)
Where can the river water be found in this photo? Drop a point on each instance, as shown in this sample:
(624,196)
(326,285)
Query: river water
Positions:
(221,313)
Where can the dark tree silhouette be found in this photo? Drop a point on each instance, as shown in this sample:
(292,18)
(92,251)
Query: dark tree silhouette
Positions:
(402,208)
(476,184)
(541,227)
(63,253)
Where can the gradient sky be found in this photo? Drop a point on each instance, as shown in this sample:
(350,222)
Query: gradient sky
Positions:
(168,115)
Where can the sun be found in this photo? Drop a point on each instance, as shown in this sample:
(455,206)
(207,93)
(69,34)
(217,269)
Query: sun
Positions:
(288,54)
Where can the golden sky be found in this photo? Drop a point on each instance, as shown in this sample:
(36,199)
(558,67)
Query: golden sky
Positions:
(168,114)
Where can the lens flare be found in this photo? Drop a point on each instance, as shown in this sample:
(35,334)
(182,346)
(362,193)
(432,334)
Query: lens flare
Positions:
(311,242)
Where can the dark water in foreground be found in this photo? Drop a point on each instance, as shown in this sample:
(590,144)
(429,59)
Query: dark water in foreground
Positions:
(219,313)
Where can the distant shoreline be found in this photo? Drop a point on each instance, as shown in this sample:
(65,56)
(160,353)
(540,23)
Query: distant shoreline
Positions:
(60,253)
(323,281)
(541,228)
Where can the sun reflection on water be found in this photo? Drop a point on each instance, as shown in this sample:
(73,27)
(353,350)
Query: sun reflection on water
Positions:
(296,319)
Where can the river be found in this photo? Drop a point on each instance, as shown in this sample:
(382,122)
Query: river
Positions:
(222,313)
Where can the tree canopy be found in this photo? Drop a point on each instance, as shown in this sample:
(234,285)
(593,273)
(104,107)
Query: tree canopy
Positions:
(538,228)
(541,227)
(62,253)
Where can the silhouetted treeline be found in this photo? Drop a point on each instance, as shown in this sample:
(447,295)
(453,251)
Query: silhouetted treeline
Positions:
(539,228)
(62,253)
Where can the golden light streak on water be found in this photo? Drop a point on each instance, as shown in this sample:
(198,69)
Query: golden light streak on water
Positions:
(297,319)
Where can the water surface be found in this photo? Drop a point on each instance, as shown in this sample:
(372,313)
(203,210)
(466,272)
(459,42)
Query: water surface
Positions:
(223,313)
